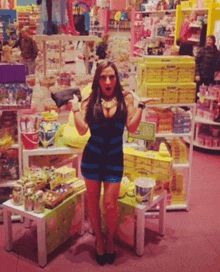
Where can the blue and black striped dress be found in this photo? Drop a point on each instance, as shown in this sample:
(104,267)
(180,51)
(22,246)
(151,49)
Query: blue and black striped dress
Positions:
(102,158)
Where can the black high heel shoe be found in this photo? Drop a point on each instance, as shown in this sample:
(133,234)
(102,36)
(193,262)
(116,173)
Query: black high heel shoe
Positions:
(110,257)
(100,259)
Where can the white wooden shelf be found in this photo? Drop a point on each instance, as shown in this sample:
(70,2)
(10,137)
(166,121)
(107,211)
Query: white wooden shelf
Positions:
(195,26)
(171,105)
(196,9)
(161,135)
(207,97)
(181,165)
(159,11)
(193,40)
(51,151)
(205,121)
(7,183)
(64,38)
(195,143)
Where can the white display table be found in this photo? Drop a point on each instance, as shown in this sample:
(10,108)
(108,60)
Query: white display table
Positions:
(41,220)
(141,212)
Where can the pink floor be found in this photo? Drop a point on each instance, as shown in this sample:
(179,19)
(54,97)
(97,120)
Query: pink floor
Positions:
(191,242)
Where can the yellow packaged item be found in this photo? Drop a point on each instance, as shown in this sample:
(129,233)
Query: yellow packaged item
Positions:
(124,187)
(72,137)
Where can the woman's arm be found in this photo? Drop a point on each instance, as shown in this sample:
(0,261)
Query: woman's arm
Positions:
(135,114)
(79,116)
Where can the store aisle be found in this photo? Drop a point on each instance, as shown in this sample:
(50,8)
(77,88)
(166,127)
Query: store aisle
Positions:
(191,242)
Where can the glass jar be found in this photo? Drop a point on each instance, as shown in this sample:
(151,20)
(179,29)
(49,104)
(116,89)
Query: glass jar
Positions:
(17,195)
(28,202)
(29,187)
(39,206)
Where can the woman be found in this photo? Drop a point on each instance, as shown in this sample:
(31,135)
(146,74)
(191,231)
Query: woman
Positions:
(207,62)
(105,112)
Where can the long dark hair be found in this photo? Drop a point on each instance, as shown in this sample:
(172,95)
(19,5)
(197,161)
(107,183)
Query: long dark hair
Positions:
(94,112)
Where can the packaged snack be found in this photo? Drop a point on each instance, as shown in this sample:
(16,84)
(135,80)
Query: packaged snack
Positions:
(208,141)
(215,142)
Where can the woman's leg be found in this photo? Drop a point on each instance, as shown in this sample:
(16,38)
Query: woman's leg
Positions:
(93,192)
(111,208)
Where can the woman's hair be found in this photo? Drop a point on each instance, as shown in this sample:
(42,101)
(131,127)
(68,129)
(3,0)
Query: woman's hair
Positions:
(5,42)
(213,38)
(94,112)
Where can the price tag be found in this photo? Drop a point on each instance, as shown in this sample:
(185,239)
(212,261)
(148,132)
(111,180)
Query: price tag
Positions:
(146,131)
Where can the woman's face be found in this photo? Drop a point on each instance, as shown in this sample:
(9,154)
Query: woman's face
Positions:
(107,81)
(209,42)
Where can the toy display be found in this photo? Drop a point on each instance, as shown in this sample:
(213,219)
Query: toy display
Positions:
(45,187)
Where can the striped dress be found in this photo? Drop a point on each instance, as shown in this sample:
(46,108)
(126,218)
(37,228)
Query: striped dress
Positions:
(102,158)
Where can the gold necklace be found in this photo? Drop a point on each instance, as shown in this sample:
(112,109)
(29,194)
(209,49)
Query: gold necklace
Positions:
(109,104)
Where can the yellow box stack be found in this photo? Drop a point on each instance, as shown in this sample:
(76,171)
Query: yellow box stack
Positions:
(151,163)
(168,77)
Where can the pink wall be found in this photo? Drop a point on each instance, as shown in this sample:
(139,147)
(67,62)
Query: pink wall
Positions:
(118,4)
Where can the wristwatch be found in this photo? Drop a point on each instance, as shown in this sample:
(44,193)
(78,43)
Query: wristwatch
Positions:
(141,105)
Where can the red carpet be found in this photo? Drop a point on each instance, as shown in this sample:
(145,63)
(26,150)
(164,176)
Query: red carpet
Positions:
(191,242)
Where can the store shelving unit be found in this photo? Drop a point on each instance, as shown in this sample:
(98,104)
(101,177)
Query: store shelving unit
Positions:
(10,183)
(188,165)
(1,31)
(61,38)
(201,120)
(30,19)
(137,26)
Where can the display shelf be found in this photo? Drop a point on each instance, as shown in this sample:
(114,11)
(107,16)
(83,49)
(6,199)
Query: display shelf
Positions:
(196,9)
(182,206)
(207,97)
(195,26)
(205,121)
(161,135)
(65,38)
(51,151)
(7,183)
(171,105)
(181,165)
(195,143)
(193,40)
(60,39)
(159,11)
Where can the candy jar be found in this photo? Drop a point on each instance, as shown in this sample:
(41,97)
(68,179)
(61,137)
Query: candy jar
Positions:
(29,187)
(17,195)
(39,199)
(28,202)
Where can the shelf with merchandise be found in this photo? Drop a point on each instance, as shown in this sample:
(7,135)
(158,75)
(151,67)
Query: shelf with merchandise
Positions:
(195,143)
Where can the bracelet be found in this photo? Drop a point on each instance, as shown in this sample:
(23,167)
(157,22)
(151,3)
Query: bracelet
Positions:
(141,105)
(75,110)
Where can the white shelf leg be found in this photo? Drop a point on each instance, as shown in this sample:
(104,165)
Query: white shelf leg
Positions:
(190,156)
(83,214)
(8,229)
(162,213)
(41,242)
(140,231)
(19,145)
(45,57)
(87,57)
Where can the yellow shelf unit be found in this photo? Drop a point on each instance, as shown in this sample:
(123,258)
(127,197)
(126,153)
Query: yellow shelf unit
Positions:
(212,9)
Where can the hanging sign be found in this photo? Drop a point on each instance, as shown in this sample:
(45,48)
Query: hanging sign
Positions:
(146,131)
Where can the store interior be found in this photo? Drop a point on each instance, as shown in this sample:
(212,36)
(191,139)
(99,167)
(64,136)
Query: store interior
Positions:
(177,144)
